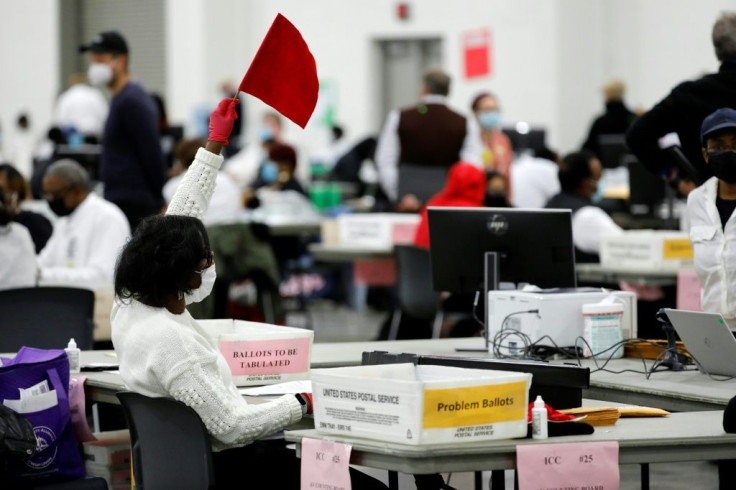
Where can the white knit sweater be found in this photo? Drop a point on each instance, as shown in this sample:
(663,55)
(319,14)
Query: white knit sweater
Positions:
(163,354)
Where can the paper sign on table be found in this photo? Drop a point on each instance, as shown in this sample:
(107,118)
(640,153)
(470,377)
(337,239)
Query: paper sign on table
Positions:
(688,290)
(572,465)
(325,464)
(288,388)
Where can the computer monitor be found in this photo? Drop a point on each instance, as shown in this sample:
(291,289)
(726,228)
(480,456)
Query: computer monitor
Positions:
(523,137)
(612,149)
(646,190)
(533,246)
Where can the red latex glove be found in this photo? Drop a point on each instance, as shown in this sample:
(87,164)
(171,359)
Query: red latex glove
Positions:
(552,414)
(222,119)
(310,402)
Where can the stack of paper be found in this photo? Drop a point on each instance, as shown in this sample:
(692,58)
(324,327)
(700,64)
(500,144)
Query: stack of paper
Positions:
(595,416)
(34,399)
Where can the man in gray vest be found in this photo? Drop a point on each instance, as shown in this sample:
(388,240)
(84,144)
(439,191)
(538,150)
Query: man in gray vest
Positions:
(428,134)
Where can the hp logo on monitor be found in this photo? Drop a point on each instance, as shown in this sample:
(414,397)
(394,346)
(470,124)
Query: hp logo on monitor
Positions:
(498,225)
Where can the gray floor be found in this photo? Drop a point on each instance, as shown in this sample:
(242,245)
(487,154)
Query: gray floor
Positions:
(337,323)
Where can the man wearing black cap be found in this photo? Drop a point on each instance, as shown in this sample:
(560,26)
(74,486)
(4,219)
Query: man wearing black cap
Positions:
(132,166)
(710,217)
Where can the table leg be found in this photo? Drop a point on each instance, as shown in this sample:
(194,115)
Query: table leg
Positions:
(498,480)
(645,476)
(478,480)
(393,480)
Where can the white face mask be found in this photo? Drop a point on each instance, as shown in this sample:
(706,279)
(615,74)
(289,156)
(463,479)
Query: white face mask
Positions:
(99,74)
(208,281)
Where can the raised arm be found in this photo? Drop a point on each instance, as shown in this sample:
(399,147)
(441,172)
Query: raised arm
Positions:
(192,197)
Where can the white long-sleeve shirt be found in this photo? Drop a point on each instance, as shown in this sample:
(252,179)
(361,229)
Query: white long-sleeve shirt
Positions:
(388,149)
(714,250)
(164,354)
(226,205)
(533,182)
(589,225)
(84,246)
(17,257)
(82,107)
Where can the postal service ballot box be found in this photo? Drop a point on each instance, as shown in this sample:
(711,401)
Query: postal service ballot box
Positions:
(422,404)
(262,354)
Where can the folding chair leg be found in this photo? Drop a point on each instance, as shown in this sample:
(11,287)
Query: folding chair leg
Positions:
(437,327)
(393,332)
(269,313)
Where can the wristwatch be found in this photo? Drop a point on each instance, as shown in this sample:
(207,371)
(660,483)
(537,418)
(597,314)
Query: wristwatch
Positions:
(303,403)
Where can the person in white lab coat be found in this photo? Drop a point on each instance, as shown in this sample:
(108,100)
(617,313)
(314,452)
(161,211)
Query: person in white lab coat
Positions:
(710,219)
(89,235)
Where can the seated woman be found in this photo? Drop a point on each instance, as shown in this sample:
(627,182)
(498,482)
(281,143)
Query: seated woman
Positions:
(164,352)
(12,182)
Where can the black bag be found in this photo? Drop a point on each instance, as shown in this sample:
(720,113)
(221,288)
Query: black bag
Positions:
(16,435)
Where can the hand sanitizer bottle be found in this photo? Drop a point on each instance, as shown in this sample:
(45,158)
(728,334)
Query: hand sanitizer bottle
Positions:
(539,419)
(72,353)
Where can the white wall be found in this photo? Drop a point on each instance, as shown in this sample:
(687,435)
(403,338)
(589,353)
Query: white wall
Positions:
(29,59)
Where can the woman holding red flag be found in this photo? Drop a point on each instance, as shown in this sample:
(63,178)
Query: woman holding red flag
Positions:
(164,352)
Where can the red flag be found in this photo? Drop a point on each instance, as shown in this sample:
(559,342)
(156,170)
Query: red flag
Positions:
(283,73)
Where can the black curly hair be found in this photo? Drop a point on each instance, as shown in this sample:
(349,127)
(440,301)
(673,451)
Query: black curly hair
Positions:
(160,259)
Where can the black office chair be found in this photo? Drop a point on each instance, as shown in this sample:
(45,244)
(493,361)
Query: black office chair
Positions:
(46,318)
(414,289)
(170,444)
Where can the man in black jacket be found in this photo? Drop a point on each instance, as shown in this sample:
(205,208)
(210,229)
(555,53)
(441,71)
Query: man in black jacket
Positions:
(684,109)
(132,163)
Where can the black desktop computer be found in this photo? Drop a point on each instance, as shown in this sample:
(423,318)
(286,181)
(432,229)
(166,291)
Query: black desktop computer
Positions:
(531,246)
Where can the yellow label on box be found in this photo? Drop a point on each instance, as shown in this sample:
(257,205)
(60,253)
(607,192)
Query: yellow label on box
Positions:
(474,405)
(677,249)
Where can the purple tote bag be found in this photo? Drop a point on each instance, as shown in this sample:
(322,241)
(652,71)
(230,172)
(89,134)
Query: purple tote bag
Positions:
(57,454)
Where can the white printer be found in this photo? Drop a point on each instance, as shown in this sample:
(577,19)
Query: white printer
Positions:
(560,313)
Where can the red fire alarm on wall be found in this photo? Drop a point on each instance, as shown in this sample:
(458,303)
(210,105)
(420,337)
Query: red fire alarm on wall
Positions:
(402,11)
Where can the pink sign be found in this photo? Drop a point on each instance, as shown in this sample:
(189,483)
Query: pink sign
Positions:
(380,272)
(325,464)
(570,465)
(282,356)
(688,290)
(404,233)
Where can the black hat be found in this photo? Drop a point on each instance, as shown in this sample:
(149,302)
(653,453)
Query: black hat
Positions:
(106,42)
(724,118)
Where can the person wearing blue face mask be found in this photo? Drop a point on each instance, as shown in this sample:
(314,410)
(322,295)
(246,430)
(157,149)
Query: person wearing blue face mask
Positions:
(277,173)
(579,175)
(497,151)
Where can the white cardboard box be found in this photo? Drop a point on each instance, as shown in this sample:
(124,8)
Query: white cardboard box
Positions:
(377,230)
(647,250)
(559,316)
(111,448)
(417,405)
(260,353)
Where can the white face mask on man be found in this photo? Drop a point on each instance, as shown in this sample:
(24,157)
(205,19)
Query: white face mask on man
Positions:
(99,74)
(208,282)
